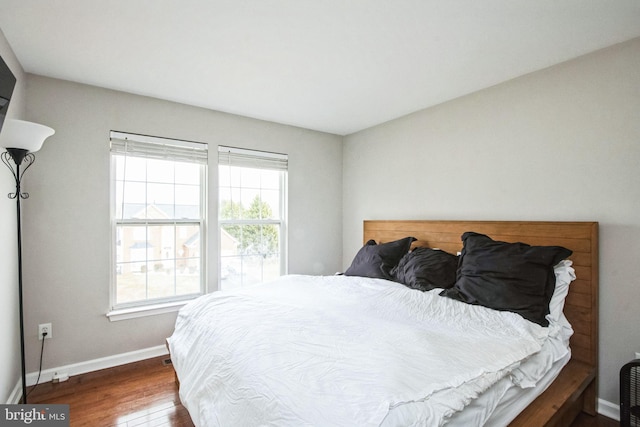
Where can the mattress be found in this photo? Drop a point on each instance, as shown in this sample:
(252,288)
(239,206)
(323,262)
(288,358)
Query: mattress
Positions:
(516,399)
(308,350)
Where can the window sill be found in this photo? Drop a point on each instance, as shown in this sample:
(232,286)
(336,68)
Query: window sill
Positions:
(144,311)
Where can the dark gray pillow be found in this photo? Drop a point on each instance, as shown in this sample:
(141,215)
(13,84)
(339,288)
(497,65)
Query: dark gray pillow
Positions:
(514,277)
(425,269)
(377,261)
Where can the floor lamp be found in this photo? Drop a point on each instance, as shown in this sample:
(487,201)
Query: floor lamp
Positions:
(21,139)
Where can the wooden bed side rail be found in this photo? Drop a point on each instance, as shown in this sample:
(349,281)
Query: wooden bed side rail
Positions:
(563,400)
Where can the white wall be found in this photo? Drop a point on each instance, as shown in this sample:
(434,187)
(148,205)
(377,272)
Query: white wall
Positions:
(9,316)
(559,144)
(67,230)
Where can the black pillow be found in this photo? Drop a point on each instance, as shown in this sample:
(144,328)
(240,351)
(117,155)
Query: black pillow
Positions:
(514,277)
(426,269)
(376,261)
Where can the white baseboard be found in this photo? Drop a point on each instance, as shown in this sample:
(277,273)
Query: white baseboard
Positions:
(88,366)
(15,395)
(608,409)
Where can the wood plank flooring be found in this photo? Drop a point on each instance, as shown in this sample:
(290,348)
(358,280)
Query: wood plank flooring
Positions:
(138,394)
(145,394)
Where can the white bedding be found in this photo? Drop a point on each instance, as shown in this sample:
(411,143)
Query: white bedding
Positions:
(503,401)
(328,351)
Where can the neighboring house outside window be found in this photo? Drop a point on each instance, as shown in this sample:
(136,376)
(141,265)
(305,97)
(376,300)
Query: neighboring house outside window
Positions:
(158,219)
(251,216)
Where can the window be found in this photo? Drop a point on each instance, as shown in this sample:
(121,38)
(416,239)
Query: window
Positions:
(158,211)
(251,217)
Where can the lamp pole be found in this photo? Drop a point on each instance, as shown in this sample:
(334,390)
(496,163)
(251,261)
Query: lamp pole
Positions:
(19,156)
(21,139)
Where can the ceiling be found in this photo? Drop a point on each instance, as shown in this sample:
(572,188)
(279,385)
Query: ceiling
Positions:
(337,66)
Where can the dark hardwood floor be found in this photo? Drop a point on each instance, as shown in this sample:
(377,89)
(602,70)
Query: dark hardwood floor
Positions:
(145,394)
(138,394)
(585,420)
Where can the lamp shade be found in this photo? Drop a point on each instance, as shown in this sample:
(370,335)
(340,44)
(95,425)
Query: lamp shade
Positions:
(24,135)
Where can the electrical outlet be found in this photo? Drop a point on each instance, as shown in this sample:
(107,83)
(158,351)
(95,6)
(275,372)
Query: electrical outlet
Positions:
(45,327)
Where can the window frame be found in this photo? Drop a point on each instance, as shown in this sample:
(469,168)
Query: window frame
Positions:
(261,160)
(160,149)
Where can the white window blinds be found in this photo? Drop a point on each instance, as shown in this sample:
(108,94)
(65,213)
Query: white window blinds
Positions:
(158,148)
(252,159)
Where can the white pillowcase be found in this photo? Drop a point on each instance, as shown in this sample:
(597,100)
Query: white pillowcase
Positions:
(565,274)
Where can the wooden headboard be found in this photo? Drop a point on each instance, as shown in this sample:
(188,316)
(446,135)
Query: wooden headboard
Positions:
(581,305)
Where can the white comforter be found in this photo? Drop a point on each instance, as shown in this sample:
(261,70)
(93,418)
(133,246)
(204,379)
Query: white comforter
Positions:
(339,351)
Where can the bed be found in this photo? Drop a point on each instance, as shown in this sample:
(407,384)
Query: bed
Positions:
(231,379)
